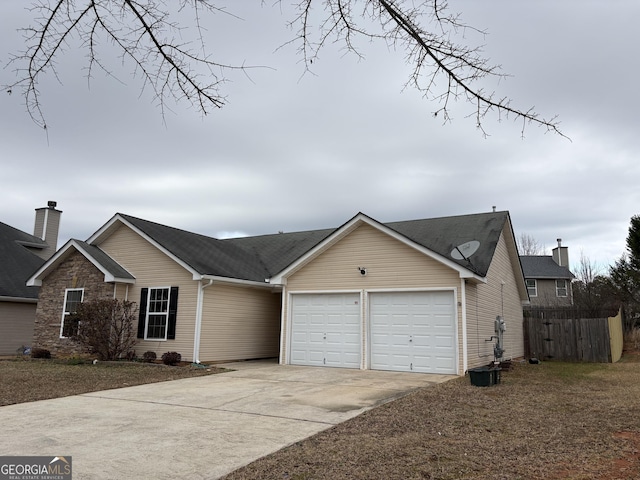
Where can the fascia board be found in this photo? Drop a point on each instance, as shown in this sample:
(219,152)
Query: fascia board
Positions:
(18,299)
(104,232)
(36,279)
(280,278)
(235,281)
(550,277)
(512,247)
(40,246)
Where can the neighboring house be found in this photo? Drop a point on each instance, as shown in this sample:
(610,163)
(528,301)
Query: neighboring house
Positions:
(548,278)
(418,295)
(21,254)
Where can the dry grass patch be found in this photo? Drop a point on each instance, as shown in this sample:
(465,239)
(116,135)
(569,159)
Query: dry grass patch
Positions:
(29,380)
(548,421)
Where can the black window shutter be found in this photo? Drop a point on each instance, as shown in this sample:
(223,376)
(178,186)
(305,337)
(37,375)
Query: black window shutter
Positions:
(173,311)
(142,312)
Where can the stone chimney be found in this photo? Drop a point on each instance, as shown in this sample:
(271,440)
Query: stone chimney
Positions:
(46,227)
(561,254)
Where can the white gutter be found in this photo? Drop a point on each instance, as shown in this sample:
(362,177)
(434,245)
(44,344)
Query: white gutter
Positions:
(463,301)
(236,281)
(283,351)
(18,299)
(198,329)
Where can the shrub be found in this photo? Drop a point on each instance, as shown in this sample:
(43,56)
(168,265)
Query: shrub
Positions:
(149,356)
(130,355)
(40,353)
(171,358)
(105,327)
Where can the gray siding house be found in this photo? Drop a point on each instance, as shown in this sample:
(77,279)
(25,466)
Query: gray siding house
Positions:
(548,278)
(21,254)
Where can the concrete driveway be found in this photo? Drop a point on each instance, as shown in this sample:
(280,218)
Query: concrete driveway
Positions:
(197,428)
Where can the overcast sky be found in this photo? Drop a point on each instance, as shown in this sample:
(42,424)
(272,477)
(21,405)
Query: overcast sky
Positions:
(292,152)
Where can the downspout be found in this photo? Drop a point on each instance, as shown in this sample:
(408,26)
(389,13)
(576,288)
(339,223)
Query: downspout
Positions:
(283,345)
(463,301)
(198,328)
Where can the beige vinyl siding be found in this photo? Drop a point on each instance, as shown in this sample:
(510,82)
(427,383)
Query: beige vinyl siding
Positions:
(486,301)
(152,268)
(239,323)
(16,326)
(390,264)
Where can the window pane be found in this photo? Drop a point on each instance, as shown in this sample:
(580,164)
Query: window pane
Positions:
(531,287)
(70,327)
(157,326)
(158,309)
(159,300)
(74,297)
(561,288)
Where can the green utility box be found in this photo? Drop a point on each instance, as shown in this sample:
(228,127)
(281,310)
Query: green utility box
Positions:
(484,376)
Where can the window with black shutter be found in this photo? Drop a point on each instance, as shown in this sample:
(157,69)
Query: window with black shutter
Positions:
(158,312)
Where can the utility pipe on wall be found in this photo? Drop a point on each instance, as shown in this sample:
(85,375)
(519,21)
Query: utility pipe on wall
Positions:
(463,301)
(198,326)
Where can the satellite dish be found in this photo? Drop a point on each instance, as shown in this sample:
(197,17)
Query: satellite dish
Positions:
(464,251)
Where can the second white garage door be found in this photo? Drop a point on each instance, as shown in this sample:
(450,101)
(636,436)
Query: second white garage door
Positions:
(326,330)
(413,331)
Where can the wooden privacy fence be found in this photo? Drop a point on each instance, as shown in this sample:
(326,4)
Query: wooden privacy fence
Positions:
(560,334)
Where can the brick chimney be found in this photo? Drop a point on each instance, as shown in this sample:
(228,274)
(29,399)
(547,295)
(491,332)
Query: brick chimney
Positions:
(46,227)
(561,254)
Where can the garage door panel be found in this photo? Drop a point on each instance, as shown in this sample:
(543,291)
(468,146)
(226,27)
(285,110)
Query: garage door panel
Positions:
(413,331)
(422,340)
(326,330)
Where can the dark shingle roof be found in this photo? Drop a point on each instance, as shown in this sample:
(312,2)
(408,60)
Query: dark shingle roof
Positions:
(205,255)
(543,266)
(260,257)
(108,263)
(17,263)
(442,235)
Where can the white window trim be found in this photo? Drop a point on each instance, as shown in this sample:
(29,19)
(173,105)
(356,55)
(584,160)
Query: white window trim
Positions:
(565,288)
(535,286)
(146,317)
(64,307)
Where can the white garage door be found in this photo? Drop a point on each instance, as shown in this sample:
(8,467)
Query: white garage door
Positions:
(326,330)
(413,331)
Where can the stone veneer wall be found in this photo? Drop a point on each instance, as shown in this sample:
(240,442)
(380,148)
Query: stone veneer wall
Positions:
(74,272)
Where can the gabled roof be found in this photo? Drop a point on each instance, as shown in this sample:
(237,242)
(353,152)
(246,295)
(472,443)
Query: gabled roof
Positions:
(112,270)
(543,267)
(436,237)
(17,262)
(260,259)
(199,254)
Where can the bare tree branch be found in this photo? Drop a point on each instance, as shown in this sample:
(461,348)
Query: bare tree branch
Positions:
(144,32)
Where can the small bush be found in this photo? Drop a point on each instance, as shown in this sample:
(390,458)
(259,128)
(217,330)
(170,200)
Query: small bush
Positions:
(171,358)
(107,327)
(130,355)
(40,353)
(149,356)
